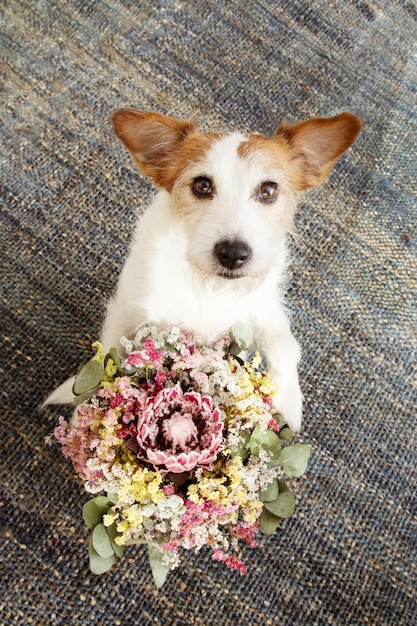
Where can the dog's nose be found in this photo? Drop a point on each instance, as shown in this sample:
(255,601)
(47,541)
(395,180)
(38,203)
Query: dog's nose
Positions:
(232,254)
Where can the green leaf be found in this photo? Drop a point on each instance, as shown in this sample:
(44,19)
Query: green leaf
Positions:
(112,531)
(285,434)
(269,522)
(83,397)
(292,459)
(94,509)
(283,506)
(267,440)
(159,570)
(88,378)
(242,449)
(242,336)
(115,357)
(98,564)
(270,493)
(101,541)
(279,419)
(282,487)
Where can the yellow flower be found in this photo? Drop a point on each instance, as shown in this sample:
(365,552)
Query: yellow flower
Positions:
(99,356)
(109,518)
(142,485)
(122,528)
(193,494)
(111,369)
(231,470)
(252,510)
(256,361)
(156,494)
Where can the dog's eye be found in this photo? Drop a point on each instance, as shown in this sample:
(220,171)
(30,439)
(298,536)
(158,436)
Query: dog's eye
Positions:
(202,187)
(268,192)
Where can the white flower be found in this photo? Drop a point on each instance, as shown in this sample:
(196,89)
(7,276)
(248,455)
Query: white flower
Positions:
(171,559)
(256,475)
(148,509)
(127,344)
(173,336)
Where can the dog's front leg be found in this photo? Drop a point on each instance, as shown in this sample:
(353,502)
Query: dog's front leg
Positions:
(282,352)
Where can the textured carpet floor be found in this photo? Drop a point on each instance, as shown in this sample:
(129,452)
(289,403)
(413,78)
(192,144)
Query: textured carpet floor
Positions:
(70,194)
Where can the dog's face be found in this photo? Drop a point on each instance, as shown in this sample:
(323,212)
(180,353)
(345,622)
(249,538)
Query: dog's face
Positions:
(235,194)
(236,206)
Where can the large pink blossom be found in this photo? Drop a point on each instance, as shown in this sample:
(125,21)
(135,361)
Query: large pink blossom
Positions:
(178,432)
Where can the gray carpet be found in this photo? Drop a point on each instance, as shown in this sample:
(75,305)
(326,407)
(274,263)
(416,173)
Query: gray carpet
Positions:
(70,194)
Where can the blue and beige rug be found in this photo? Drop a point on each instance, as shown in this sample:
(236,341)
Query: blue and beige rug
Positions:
(70,194)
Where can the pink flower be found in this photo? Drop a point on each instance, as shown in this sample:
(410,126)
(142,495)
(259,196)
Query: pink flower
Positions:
(116,400)
(231,562)
(149,356)
(273,425)
(161,378)
(178,432)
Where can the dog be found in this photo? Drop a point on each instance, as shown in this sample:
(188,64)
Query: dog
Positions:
(211,249)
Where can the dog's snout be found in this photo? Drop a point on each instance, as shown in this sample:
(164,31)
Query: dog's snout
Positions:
(232,254)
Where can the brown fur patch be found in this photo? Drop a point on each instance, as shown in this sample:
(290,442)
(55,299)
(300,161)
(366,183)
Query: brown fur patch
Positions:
(161,146)
(275,153)
(318,143)
(306,151)
(189,153)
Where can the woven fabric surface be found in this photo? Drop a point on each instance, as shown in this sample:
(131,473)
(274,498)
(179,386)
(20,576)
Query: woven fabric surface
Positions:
(70,196)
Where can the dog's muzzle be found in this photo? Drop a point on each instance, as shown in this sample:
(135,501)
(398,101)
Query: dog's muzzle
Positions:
(232,255)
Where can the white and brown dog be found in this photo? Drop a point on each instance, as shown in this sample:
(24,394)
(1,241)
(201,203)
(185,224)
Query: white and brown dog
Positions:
(211,250)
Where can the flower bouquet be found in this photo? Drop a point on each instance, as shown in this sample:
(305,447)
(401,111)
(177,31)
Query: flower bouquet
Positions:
(183,441)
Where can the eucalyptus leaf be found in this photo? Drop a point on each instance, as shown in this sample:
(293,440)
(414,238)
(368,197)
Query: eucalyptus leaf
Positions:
(83,397)
(279,419)
(115,357)
(98,564)
(103,503)
(88,378)
(159,570)
(282,487)
(242,449)
(242,336)
(269,522)
(112,532)
(264,440)
(285,434)
(101,541)
(94,509)
(270,493)
(293,459)
(283,506)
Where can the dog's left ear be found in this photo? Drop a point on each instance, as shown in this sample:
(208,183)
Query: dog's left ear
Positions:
(317,144)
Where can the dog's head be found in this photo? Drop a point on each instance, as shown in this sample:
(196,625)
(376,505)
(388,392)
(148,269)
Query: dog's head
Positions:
(234,193)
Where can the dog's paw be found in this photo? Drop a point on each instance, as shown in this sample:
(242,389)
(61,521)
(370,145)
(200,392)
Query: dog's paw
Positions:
(289,402)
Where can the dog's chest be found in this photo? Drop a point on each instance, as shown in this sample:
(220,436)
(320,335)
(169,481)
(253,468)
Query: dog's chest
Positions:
(178,297)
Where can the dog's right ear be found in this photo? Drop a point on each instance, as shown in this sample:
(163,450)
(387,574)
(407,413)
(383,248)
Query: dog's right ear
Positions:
(152,139)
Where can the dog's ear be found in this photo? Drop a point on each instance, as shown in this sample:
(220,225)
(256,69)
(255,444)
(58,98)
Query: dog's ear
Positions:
(316,144)
(153,140)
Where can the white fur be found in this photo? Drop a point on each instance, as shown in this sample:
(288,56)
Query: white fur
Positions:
(171,276)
